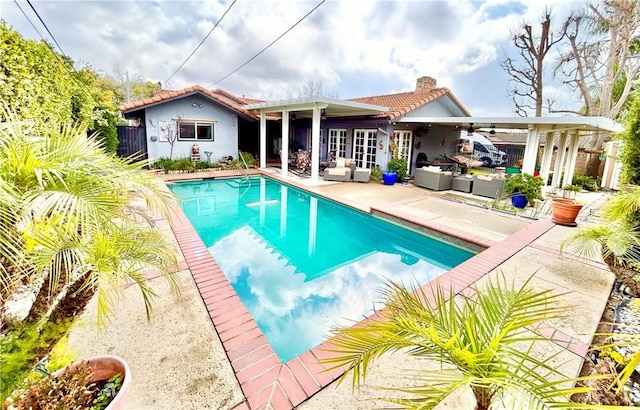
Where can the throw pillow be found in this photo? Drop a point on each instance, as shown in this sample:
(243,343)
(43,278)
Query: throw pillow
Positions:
(340,163)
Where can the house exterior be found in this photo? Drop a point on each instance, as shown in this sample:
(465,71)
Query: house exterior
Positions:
(172,122)
(365,129)
(371,136)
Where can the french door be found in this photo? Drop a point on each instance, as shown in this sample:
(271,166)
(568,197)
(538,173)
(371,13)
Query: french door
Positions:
(337,142)
(365,145)
(403,141)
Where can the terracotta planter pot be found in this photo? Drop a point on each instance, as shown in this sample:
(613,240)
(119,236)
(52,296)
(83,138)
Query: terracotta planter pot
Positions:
(104,368)
(564,212)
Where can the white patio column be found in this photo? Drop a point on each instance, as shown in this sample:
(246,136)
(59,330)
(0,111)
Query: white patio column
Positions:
(531,151)
(547,153)
(284,155)
(263,140)
(573,156)
(315,144)
(557,169)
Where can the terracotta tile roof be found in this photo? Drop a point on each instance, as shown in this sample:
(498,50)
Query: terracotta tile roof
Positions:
(402,103)
(238,100)
(218,95)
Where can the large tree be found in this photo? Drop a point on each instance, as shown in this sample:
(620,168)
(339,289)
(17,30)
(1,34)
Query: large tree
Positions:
(526,72)
(601,60)
(130,86)
(315,89)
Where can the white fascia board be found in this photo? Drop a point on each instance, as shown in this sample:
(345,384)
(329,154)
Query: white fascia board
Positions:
(543,123)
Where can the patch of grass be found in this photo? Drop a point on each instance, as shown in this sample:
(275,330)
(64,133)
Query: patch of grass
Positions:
(20,350)
(482,171)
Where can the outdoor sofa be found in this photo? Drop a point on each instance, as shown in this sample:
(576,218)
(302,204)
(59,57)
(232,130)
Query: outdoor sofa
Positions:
(488,186)
(340,170)
(433,178)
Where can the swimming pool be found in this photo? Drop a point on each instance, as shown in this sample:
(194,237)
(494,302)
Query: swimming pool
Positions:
(302,264)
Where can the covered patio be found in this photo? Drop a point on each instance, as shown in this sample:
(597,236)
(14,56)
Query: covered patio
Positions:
(316,108)
(568,129)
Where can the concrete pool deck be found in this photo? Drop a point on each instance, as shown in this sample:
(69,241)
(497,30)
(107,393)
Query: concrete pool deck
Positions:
(202,350)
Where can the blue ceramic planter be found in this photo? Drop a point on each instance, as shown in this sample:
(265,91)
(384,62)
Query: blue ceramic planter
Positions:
(389,177)
(519,200)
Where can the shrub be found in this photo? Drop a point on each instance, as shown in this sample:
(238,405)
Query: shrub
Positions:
(525,184)
(398,165)
(183,164)
(203,165)
(586,182)
(163,163)
(376,174)
(630,153)
(248,158)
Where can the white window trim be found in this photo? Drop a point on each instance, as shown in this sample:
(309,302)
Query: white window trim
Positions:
(340,141)
(195,124)
(362,158)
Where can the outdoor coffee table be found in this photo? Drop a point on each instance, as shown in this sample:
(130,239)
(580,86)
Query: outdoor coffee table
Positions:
(461,183)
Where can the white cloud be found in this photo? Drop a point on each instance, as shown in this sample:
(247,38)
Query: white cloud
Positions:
(285,303)
(355,48)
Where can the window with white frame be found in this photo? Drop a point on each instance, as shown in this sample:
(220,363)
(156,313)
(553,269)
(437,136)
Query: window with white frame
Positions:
(337,142)
(192,130)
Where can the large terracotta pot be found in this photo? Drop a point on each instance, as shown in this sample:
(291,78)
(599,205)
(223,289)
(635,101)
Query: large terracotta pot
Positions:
(104,368)
(564,211)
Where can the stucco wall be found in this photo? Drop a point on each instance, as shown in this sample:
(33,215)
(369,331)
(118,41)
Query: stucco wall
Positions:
(225,130)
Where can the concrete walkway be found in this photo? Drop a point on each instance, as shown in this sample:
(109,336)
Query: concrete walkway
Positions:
(178,360)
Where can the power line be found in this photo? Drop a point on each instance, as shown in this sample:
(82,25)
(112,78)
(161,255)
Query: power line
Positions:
(198,46)
(46,28)
(62,63)
(270,44)
(44,40)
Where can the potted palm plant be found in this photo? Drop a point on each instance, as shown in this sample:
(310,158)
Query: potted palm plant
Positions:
(524,188)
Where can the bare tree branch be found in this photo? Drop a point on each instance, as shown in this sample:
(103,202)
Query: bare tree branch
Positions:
(533,50)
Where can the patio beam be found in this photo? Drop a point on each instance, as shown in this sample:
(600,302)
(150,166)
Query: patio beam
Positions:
(315,144)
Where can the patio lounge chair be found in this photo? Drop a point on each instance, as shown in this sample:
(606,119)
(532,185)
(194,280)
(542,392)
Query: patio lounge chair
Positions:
(465,163)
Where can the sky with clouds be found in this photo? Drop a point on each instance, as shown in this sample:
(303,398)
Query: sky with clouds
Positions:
(355,48)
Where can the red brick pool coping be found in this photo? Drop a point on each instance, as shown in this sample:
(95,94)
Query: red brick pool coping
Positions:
(268,383)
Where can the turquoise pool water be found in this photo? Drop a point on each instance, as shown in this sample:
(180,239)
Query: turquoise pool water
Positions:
(302,264)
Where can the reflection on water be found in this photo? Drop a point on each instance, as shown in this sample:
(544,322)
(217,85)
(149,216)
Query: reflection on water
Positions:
(302,264)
